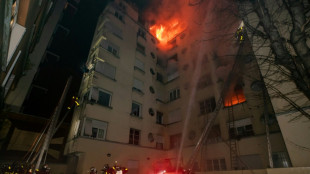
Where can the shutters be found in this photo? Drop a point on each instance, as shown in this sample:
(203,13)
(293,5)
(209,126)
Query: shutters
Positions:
(88,127)
(94,94)
(105,69)
(113,29)
(139,64)
(242,122)
(138,84)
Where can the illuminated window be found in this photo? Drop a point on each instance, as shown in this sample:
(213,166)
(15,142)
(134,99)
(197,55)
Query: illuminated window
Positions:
(134,136)
(135,109)
(235,97)
(216,164)
(207,106)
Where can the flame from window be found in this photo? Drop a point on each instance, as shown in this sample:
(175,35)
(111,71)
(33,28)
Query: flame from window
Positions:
(235,98)
(166,31)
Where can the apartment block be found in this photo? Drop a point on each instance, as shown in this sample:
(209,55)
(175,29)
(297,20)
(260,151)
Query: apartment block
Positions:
(143,107)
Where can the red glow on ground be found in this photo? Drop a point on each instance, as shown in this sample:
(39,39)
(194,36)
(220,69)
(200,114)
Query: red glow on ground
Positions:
(166,31)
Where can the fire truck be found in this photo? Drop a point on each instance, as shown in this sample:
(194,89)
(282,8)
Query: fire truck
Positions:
(165,166)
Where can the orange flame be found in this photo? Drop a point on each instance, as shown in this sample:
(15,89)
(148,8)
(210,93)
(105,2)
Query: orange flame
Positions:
(234,99)
(167,31)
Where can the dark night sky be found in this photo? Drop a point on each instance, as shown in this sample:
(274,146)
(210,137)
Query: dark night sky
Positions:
(73,50)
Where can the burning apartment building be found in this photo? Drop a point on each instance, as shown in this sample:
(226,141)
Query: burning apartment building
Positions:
(152,91)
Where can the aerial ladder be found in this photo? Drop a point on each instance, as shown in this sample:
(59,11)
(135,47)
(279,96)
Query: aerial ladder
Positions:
(202,139)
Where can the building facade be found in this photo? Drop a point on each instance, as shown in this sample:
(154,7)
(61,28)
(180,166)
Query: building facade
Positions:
(140,104)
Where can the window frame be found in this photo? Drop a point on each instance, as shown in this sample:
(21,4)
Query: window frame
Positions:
(207,106)
(174,94)
(104,130)
(159,117)
(132,113)
(132,136)
(140,48)
(97,101)
(220,166)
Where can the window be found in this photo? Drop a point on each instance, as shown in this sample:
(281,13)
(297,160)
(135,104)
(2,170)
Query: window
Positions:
(281,159)
(139,65)
(112,50)
(153,55)
(135,109)
(141,33)
(109,46)
(175,140)
(95,129)
(216,164)
(119,16)
(140,48)
(241,128)
(159,117)
(160,77)
(172,68)
(152,90)
(106,69)
(113,29)
(174,94)
(138,85)
(207,106)
(134,136)
(235,97)
(101,97)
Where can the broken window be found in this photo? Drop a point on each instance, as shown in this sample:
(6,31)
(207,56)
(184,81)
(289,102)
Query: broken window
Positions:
(101,97)
(236,96)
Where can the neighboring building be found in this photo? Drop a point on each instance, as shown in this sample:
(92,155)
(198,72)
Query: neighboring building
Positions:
(22,25)
(140,103)
(290,105)
(33,25)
